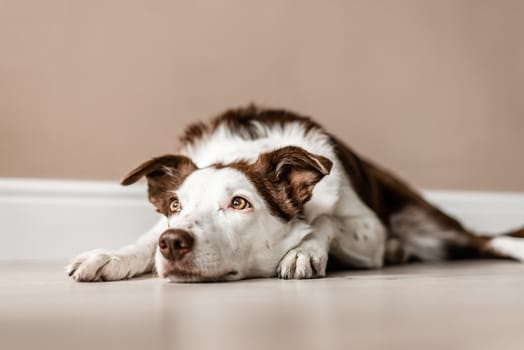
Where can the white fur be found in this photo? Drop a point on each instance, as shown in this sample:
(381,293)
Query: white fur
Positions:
(508,246)
(254,243)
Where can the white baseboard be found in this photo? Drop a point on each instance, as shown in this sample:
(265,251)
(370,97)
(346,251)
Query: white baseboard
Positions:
(50,220)
(55,219)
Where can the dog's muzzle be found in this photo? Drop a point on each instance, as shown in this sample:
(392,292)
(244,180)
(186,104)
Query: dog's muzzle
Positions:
(175,244)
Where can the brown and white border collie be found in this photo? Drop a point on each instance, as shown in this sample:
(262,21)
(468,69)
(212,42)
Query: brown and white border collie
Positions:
(264,192)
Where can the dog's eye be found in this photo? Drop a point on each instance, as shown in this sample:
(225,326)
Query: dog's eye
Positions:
(239,203)
(174,205)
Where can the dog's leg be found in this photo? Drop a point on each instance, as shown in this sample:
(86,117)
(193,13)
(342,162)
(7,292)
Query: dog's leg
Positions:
(309,258)
(360,242)
(428,234)
(126,262)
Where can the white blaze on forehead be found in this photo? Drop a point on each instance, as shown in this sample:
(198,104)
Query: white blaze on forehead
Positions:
(210,187)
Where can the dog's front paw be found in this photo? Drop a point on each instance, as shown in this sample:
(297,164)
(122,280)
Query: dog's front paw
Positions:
(97,265)
(299,264)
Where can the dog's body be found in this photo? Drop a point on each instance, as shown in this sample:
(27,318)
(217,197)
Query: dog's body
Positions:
(261,193)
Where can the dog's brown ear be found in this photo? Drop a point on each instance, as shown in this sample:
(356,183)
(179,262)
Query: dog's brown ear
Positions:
(295,170)
(164,175)
(168,165)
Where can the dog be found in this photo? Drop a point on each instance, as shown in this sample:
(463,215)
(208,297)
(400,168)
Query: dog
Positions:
(266,192)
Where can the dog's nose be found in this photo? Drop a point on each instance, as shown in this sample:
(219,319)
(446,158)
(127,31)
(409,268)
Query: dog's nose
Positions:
(174,244)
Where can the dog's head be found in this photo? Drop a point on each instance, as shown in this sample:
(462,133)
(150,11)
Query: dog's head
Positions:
(230,221)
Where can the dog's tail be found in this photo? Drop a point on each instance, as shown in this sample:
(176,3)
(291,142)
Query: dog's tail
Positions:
(506,245)
(517,233)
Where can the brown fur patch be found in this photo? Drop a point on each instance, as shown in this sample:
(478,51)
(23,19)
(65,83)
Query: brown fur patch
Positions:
(164,175)
(517,233)
(285,178)
(244,122)
(193,133)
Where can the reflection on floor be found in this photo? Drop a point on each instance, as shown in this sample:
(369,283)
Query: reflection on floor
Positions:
(466,305)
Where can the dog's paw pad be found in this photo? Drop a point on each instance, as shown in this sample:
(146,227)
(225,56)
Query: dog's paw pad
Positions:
(298,264)
(96,265)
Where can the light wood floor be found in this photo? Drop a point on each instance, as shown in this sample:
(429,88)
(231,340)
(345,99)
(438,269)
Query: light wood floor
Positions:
(468,305)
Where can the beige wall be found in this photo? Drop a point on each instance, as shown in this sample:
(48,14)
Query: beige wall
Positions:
(432,89)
